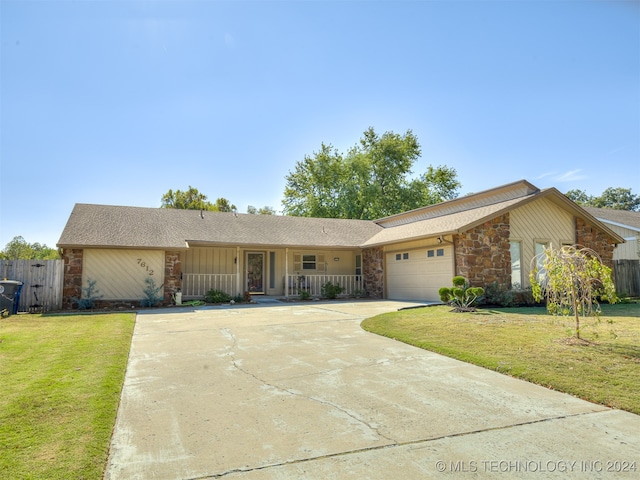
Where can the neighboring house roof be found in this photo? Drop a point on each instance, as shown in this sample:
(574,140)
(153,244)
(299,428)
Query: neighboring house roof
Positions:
(621,218)
(136,227)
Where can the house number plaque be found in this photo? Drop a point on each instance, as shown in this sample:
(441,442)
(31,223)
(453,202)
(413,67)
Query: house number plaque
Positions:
(144,265)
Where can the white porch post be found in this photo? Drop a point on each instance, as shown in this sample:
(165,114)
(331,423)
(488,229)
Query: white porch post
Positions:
(286,272)
(238,287)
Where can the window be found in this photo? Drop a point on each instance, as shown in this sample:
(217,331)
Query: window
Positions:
(430,253)
(405,256)
(539,249)
(516,269)
(358,265)
(272,269)
(398,256)
(308,262)
(440,252)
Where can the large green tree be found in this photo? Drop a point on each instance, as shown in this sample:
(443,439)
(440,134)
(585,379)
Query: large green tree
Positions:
(373,179)
(192,199)
(615,198)
(266,210)
(19,249)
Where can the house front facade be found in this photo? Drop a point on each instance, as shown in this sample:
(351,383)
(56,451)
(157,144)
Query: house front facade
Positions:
(490,238)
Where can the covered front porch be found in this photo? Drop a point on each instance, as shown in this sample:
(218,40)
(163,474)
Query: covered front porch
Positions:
(279,272)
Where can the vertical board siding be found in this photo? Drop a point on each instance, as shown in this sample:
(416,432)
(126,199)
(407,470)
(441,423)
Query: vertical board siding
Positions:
(543,221)
(210,260)
(627,277)
(121,274)
(42,289)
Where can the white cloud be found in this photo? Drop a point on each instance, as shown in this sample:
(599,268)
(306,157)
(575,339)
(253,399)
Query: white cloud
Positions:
(570,176)
(544,175)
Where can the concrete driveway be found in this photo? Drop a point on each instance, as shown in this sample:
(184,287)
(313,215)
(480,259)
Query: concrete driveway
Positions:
(284,391)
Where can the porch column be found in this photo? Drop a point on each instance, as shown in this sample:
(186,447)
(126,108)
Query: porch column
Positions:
(286,272)
(238,287)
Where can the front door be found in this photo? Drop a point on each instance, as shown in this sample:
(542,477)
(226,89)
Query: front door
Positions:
(255,272)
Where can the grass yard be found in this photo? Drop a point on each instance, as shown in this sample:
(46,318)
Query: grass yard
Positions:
(61,378)
(528,343)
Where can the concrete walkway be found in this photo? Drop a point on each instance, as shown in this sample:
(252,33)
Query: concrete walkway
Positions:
(300,391)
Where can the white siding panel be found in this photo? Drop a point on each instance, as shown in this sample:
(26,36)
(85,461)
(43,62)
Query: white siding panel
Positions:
(419,277)
(540,221)
(630,249)
(121,274)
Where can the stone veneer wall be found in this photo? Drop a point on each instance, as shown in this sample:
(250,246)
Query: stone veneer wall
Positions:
(373,271)
(172,275)
(72,281)
(593,238)
(482,254)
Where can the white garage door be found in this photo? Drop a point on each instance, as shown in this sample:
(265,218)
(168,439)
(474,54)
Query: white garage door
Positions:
(419,274)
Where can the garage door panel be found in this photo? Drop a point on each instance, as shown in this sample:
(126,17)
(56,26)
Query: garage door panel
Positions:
(419,277)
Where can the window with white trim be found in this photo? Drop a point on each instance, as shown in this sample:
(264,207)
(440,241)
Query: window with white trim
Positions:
(516,267)
(308,262)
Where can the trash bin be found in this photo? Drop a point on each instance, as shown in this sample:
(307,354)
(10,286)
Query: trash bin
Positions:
(10,295)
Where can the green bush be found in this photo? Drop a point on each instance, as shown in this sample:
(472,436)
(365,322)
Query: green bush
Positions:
(217,296)
(499,295)
(461,296)
(329,290)
(89,296)
(151,292)
(304,294)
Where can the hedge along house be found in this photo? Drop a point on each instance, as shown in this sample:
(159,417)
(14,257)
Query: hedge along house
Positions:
(489,237)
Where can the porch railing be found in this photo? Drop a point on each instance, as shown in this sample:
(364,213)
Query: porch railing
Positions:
(198,284)
(294,284)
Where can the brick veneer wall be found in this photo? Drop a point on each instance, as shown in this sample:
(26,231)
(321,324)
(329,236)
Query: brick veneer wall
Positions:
(373,271)
(482,254)
(172,275)
(593,238)
(72,281)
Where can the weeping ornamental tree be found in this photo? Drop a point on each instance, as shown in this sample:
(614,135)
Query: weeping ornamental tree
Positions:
(571,280)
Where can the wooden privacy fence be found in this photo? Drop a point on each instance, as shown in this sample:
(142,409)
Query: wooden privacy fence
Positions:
(42,279)
(627,277)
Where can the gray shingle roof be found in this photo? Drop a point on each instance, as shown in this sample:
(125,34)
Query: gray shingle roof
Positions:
(622,217)
(162,228)
(443,225)
(118,226)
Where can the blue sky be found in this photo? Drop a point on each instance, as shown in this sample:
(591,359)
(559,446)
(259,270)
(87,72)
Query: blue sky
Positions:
(116,102)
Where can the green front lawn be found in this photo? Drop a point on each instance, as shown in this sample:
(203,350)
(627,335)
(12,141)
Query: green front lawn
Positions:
(61,378)
(527,343)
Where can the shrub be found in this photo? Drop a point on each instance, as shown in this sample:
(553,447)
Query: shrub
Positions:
(217,296)
(304,294)
(460,296)
(151,293)
(329,290)
(500,295)
(238,298)
(89,296)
